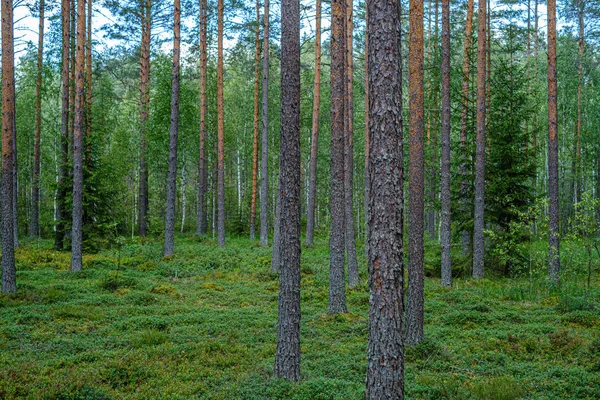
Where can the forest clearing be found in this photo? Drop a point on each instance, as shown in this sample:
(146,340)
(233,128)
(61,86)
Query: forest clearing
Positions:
(202,324)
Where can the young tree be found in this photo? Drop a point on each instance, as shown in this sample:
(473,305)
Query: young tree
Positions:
(553,223)
(9,273)
(78,132)
(446,231)
(34,226)
(416,273)
(287,358)
(264,179)
(61,210)
(349,151)
(337,284)
(220,131)
(478,214)
(201,225)
(464,116)
(255,141)
(146,25)
(314,141)
(172,175)
(385,360)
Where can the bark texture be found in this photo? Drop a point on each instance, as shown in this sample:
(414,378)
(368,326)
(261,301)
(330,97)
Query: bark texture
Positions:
(464,115)
(173,133)
(314,141)
(255,126)
(61,212)
(385,360)
(264,179)
(9,273)
(415,302)
(553,222)
(201,220)
(287,359)
(220,132)
(446,231)
(78,143)
(349,151)
(34,224)
(337,284)
(478,213)
(146,21)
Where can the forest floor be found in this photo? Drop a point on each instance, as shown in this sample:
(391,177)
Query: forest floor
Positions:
(202,324)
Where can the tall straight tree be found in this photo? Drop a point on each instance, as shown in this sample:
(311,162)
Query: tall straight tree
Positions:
(172,174)
(314,140)
(446,231)
(255,141)
(9,273)
(553,223)
(264,179)
(416,273)
(349,150)
(34,225)
(220,131)
(78,132)
(385,359)
(577,182)
(478,213)
(464,116)
(146,22)
(201,226)
(337,284)
(89,98)
(287,358)
(61,209)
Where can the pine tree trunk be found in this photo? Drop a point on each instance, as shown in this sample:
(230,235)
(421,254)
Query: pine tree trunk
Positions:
(9,273)
(88,90)
(61,211)
(349,151)
(367,178)
(577,172)
(445,183)
(415,302)
(337,284)
(172,174)
(553,223)
(276,253)
(314,142)
(201,220)
(144,114)
(220,133)
(264,180)
(478,214)
(466,70)
(34,226)
(385,360)
(78,141)
(255,141)
(287,358)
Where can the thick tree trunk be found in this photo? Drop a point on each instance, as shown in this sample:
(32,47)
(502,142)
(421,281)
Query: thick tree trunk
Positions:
(61,211)
(172,174)
(464,116)
(445,184)
(367,134)
(264,179)
(478,213)
(220,133)
(337,284)
(314,142)
(9,273)
(255,141)
(78,142)
(553,223)
(385,360)
(34,224)
(144,114)
(287,358)
(415,302)
(349,151)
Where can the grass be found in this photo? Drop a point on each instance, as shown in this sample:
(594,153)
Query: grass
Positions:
(202,324)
